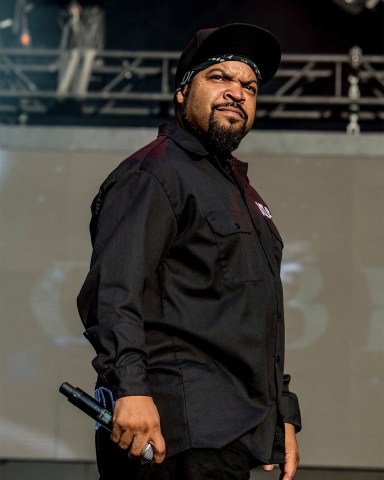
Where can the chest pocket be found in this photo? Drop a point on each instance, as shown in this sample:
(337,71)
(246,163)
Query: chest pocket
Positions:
(239,257)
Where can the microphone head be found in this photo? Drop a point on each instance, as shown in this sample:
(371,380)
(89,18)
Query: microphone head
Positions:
(66,389)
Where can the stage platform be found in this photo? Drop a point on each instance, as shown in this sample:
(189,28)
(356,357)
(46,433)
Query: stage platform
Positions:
(44,470)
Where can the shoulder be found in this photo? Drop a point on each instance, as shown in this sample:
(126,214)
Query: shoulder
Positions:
(160,157)
(168,162)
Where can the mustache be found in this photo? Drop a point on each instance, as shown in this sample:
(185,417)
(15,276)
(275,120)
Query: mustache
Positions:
(233,105)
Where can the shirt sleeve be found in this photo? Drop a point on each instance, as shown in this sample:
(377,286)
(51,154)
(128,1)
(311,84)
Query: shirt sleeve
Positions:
(132,228)
(289,405)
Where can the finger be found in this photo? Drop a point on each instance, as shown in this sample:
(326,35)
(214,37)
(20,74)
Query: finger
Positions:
(287,476)
(137,446)
(123,438)
(116,434)
(268,468)
(123,445)
(159,449)
(288,470)
(156,441)
(140,445)
(117,431)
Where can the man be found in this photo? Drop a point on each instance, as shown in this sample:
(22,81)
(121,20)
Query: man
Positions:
(183,302)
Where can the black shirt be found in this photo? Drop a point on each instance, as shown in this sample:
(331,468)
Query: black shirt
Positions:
(183,300)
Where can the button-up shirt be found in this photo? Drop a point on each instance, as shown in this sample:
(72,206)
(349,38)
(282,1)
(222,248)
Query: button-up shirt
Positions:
(183,300)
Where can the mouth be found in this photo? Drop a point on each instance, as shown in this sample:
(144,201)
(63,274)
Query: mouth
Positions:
(232,110)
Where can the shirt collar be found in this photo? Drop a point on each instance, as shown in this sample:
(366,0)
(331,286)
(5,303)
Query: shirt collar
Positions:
(189,142)
(183,138)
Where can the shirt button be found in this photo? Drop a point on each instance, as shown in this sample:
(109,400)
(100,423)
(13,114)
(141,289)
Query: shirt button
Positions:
(237,225)
(277,358)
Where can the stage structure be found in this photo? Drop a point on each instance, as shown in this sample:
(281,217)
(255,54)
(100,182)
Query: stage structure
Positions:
(89,86)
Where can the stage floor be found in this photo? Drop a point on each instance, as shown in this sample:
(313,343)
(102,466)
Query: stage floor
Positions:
(46,470)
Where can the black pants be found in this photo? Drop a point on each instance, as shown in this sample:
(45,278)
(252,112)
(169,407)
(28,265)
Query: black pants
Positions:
(230,463)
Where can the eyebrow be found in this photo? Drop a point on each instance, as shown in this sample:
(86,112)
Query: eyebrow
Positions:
(229,76)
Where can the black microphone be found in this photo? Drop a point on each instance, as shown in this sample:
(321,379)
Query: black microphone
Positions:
(98,412)
(88,405)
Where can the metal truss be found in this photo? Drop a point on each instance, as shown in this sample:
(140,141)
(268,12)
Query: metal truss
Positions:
(88,84)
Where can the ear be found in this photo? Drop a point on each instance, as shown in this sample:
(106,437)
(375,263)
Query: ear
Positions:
(180,95)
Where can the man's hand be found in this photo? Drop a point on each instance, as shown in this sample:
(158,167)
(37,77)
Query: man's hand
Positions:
(292,457)
(136,421)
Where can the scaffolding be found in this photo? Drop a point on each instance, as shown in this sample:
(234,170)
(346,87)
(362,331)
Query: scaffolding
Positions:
(85,84)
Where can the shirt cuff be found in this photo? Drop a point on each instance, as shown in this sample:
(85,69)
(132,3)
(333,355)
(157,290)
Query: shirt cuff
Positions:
(128,380)
(290,410)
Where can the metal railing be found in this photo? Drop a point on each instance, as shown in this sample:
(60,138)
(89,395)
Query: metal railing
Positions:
(101,83)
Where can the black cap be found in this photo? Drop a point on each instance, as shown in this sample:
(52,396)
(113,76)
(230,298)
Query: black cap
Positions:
(237,39)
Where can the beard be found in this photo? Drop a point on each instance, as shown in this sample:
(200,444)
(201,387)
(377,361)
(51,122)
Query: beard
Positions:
(221,140)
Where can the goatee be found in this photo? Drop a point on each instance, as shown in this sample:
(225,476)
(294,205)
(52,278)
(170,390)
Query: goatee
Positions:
(221,140)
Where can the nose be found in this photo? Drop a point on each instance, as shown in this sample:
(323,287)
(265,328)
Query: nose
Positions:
(235,92)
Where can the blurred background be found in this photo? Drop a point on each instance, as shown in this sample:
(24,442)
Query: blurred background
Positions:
(85,84)
(112,63)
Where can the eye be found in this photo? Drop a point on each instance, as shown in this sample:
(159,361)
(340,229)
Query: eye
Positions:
(251,88)
(217,76)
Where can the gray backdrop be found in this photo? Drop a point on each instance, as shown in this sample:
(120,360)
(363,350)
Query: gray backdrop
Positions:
(326,193)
